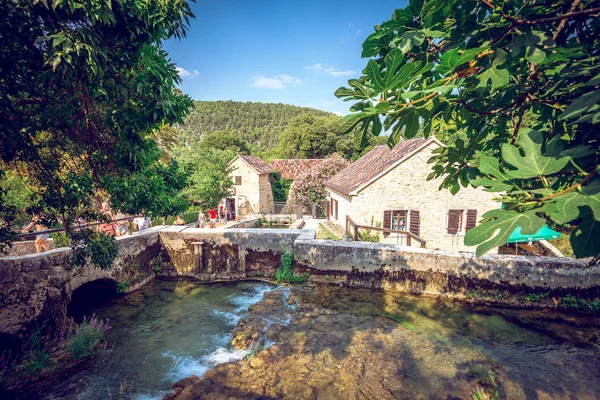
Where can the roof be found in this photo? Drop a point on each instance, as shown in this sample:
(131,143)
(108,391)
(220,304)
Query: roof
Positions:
(375,164)
(293,168)
(255,163)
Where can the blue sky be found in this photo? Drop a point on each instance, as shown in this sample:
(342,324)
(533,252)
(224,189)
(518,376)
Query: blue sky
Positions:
(293,52)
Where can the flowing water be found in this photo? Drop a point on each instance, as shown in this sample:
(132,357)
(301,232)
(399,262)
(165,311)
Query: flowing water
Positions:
(161,333)
(170,330)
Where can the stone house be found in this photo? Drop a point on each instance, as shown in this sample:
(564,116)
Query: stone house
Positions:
(389,188)
(251,192)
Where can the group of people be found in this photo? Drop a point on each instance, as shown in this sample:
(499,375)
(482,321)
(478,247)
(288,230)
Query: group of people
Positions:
(221,215)
(119,223)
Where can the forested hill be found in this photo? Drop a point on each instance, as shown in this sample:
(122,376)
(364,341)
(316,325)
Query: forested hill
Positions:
(260,124)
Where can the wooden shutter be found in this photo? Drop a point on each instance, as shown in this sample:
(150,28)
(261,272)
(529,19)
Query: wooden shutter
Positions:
(336,210)
(328,209)
(387,221)
(453,222)
(415,222)
(471,219)
(238,180)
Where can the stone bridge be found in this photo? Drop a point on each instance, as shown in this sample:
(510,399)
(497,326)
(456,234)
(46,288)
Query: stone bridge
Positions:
(39,287)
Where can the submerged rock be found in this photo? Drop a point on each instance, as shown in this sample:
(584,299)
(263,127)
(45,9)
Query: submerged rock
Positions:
(359,344)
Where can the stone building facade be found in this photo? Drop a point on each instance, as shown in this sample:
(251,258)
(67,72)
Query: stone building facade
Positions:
(389,189)
(252,192)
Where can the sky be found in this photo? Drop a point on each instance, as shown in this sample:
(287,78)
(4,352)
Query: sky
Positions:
(292,52)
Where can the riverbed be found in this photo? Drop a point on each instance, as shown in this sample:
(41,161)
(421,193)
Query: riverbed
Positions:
(165,331)
(328,342)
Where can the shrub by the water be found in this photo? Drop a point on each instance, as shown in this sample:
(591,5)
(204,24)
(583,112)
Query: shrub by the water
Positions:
(285,273)
(122,286)
(86,338)
(36,358)
(573,303)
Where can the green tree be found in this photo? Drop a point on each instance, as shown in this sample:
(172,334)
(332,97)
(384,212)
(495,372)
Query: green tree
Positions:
(309,136)
(280,186)
(84,85)
(224,140)
(259,124)
(209,179)
(514,86)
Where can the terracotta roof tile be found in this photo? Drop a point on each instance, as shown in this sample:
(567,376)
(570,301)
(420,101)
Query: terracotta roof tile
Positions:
(256,164)
(375,162)
(293,168)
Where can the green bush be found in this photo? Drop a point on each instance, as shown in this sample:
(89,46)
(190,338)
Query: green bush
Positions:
(122,286)
(85,338)
(368,236)
(573,303)
(36,357)
(285,273)
(536,296)
(60,239)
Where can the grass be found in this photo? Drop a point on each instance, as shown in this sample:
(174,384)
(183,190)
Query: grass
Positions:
(122,286)
(573,303)
(487,378)
(285,274)
(563,244)
(536,296)
(324,233)
(402,322)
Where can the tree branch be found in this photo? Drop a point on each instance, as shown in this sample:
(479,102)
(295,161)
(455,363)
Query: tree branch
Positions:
(33,100)
(571,188)
(563,23)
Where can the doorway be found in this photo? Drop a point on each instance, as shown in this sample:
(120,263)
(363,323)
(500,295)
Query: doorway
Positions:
(230,204)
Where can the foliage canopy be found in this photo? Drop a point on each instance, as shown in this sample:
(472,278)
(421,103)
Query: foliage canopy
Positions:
(516,84)
(84,88)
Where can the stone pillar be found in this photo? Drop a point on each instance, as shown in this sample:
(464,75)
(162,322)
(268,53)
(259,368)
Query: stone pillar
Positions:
(242,259)
(198,254)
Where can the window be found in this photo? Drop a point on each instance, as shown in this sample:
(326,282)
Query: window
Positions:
(455,223)
(238,180)
(402,220)
(399,220)
(460,221)
(396,220)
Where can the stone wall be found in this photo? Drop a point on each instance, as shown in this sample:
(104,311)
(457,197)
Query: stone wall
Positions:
(406,188)
(267,204)
(424,271)
(225,253)
(24,247)
(37,287)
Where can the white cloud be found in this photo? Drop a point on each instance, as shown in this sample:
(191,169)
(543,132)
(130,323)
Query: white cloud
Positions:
(196,72)
(358,31)
(277,82)
(320,67)
(183,72)
(338,113)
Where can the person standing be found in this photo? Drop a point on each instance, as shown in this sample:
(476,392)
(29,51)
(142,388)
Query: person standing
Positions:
(201,220)
(213,217)
(143,222)
(179,220)
(222,220)
(41,239)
